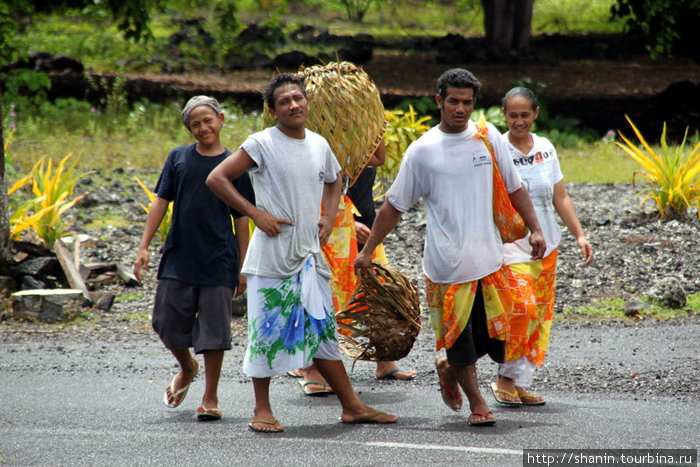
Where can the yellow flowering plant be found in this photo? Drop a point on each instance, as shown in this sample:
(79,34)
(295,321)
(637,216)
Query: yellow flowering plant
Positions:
(672,175)
(167,221)
(52,189)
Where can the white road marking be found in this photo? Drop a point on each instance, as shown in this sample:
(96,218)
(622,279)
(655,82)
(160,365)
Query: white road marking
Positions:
(437,447)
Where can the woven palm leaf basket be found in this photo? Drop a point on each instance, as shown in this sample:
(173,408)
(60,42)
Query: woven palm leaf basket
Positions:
(381,321)
(345,107)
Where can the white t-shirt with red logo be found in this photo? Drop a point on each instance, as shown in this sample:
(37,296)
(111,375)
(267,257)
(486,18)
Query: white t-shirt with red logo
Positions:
(540,171)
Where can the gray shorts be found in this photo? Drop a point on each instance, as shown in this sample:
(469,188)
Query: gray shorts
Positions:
(189,315)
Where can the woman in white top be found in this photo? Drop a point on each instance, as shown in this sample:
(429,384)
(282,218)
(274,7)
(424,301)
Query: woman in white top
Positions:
(536,162)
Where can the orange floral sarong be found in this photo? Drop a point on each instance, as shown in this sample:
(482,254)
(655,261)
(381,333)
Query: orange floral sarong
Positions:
(530,327)
(340,252)
(451,305)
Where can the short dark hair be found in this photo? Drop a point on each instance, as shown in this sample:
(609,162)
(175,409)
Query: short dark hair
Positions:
(278,81)
(522,92)
(457,78)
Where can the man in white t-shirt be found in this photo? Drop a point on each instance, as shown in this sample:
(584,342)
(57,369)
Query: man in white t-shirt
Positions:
(291,320)
(450,167)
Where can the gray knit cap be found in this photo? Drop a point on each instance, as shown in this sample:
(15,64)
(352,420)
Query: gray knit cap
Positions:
(195,102)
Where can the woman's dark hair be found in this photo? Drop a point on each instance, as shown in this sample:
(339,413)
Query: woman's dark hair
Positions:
(522,92)
(278,81)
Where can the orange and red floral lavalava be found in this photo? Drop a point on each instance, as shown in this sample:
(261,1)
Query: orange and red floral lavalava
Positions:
(451,305)
(530,327)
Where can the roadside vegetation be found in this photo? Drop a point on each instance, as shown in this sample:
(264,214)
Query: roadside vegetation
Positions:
(136,142)
(135,138)
(614,309)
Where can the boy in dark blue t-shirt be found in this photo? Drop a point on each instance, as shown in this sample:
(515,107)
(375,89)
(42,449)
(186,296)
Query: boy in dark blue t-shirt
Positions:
(199,269)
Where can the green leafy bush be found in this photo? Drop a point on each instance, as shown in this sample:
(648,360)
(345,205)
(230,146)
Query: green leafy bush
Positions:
(27,89)
(8,27)
(355,10)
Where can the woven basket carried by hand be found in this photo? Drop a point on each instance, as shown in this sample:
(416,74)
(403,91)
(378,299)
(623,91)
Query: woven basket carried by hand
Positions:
(346,108)
(381,320)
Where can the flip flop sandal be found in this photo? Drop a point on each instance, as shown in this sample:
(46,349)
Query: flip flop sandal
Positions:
(495,391)
(206,414)
(485,422)
(173,398)
(392,375)
(449,397)
(371,418)
(264,422)
(532,396)
(452,397)
(315,392)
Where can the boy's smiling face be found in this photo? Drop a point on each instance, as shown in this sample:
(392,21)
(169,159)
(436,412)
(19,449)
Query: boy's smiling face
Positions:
(205,124)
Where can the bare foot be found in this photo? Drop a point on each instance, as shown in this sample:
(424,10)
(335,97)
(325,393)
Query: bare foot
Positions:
(451,395)
(480,412)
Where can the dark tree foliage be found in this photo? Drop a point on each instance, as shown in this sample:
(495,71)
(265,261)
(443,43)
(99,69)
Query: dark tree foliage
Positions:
(132,16)
(667,26)
(48,6)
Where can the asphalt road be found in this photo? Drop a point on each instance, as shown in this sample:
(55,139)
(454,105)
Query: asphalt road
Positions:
(99,403)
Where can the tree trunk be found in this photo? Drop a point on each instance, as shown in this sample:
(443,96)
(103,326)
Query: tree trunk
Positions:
(494,24)
(4,219)
(507,25)
(522,22)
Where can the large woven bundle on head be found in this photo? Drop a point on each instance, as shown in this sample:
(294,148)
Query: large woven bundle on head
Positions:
(346,108)
(381,321)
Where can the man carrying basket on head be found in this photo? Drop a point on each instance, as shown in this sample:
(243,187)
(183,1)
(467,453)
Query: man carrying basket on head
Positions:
(359,148)
(290,313)
(451,168)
